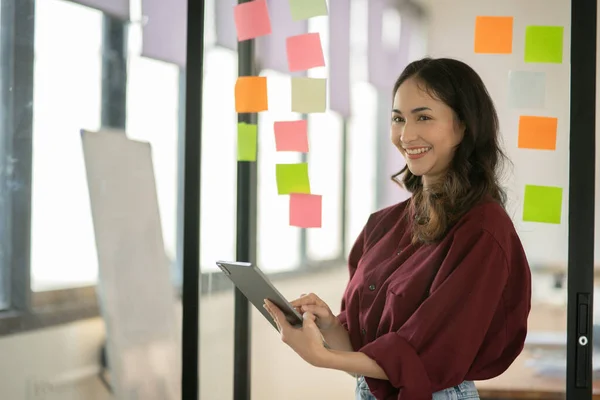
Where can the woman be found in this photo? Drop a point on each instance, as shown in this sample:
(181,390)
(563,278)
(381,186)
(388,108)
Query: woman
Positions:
(440,288)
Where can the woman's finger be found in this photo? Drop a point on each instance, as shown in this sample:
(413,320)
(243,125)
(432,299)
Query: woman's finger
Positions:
(278,315)
(319,311)
(310,298)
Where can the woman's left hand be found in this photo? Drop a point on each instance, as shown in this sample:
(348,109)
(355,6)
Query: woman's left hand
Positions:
(306,341)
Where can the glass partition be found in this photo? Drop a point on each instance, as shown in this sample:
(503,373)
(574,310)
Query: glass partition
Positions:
(537,180)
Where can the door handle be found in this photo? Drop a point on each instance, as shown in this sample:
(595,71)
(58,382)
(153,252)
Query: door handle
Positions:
(582,354)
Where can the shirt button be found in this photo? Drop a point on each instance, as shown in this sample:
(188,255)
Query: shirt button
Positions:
(372,287)
(363,331)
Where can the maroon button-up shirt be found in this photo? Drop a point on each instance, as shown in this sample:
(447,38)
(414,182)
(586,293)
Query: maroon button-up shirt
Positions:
(435,315)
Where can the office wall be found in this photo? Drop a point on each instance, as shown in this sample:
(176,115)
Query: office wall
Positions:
(451,34)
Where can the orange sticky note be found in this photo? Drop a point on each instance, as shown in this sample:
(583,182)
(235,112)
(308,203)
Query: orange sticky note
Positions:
(537,132)
(251,94)
(291,136)
(304,52)
(306,210)
(493,35)
(252,19)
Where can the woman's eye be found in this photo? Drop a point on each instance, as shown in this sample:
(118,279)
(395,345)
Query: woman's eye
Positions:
(397,120)
(424,118)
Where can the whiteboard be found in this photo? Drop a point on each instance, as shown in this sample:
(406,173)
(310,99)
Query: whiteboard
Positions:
(136,297)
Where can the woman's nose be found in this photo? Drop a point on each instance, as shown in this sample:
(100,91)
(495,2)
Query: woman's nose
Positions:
(408,134)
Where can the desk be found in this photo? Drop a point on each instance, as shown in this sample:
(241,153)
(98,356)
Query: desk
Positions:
(521,381)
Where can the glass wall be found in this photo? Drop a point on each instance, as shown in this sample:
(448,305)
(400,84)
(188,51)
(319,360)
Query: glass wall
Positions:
(541,367)
(70,74)
(63,250)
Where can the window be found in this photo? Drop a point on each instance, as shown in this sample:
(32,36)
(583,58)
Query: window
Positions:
(325,169)
(362,137)
(67,98)
(325,165)
(361,159)
(219,152)
(153,116)
(278,242)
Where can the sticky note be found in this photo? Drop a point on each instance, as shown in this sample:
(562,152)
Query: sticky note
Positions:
(304,9)
(542,204)
(292,178)
(306,210)
(291,136)
(252,19)
(309,95)
(251,94)
(527,89)
(544,44)
(493,35)
(246,143)
(304,52)
(537,132)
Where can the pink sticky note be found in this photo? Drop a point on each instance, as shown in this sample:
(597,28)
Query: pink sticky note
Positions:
(306,210)
(304,52)
(252,19)
(291,136)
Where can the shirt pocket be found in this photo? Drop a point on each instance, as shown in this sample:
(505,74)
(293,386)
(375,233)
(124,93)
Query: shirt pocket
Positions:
(394,314)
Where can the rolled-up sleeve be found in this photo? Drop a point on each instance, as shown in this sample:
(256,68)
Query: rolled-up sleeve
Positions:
(463,318)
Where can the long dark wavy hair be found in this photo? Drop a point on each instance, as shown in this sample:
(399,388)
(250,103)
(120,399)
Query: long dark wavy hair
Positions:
(476,167)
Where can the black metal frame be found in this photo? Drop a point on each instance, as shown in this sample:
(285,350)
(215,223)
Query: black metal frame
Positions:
(247,185)
(582,181)
(191,199)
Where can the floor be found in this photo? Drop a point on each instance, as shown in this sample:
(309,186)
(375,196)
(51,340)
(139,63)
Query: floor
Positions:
(276,371)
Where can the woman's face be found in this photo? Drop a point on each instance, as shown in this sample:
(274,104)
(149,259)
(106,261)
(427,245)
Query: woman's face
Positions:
(425,130)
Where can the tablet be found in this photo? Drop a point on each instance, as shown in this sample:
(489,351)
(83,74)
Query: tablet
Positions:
(254,284)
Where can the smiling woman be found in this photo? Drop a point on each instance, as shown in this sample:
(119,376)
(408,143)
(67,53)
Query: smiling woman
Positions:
(448,133)
(440,287)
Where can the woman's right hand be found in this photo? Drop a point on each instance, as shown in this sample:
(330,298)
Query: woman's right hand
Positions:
(312,303)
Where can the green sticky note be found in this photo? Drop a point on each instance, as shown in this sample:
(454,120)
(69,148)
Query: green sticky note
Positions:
(309,95)
(542,204)
(304,9)
(292,178)
(544,44)
(246,142)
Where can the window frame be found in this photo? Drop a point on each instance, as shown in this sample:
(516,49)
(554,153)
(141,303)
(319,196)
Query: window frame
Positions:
(28,310)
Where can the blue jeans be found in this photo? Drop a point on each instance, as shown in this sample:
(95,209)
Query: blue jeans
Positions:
(463,391)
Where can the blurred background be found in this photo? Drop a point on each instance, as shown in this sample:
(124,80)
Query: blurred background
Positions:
(67,66)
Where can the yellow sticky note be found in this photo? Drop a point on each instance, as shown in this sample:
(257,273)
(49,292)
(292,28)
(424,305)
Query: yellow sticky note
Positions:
(493,35)
(292,178)
(309,95)
(246,142)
